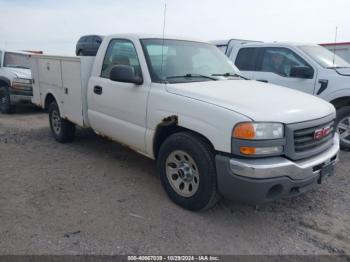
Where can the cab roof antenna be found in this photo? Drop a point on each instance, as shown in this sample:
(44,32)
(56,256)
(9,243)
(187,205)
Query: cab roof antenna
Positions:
(335,44)
(164,19)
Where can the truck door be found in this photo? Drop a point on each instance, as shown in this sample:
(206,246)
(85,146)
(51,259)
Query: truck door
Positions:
(116,109)
(275,66)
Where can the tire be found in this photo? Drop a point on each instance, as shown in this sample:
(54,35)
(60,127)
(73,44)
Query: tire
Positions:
(343,127)
(62,130)
(177,154)
(5,100)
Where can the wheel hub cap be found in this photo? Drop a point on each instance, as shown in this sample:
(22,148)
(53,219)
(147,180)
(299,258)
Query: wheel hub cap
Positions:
(343,129)
(185,172)
(56,122)
(182,173)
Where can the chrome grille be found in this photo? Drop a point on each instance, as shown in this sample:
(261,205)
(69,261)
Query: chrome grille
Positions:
(304,138)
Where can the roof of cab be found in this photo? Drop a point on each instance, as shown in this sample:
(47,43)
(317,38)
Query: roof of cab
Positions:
(154,36)
(257,43)
(278,44)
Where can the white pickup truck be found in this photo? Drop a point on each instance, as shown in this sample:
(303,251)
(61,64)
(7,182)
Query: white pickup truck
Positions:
(15,79)
(182,103)
(305,67)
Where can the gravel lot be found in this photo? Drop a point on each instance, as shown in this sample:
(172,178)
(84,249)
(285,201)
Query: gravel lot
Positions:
(94,196)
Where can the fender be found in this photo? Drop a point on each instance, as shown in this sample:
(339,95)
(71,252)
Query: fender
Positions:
(337,94)
(191,114)
(218,132)
(50,92)
(182,121)
(6,80)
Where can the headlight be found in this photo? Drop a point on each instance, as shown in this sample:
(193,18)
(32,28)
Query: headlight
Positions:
(256,139)
(258,131)
(22,81)
(22,84)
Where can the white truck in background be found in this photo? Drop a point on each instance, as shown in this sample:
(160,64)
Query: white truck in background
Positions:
(182,103)
(15,79)
(309,68)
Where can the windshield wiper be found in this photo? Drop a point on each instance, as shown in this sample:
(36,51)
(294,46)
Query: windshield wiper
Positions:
(192,76)
(230,75)
(17,66)
(337,67)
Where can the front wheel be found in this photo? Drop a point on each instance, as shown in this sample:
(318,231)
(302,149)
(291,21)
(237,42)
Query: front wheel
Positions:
(187,171)
(62,130)
(343,126)
(5,101)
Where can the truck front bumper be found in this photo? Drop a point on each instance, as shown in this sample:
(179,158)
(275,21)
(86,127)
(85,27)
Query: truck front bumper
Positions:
(20,99)
(257,181)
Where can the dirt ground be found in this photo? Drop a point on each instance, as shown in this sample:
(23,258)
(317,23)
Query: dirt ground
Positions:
(94,196)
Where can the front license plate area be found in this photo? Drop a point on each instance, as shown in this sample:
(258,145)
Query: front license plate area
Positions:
(326,171)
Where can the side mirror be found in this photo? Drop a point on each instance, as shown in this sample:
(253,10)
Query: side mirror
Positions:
(99,41)
(301,72)
(126,74)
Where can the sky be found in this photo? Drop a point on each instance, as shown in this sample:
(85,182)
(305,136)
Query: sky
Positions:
(55,26)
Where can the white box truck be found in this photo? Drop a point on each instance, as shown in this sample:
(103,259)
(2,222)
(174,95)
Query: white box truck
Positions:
(182,103)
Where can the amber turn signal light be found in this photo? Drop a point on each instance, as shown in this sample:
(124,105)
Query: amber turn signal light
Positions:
(244,131)
(247,150)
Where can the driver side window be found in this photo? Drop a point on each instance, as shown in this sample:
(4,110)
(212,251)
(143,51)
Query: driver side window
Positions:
(120,52)
(280,61)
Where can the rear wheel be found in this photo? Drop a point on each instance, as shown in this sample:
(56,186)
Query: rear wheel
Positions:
(343,126)
(62,130)
(187,171)
(5,101)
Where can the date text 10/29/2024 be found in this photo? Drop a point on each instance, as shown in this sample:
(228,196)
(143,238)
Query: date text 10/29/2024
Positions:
(173,258)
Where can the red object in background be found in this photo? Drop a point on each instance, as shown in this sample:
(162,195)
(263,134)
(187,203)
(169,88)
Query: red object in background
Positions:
(33,52)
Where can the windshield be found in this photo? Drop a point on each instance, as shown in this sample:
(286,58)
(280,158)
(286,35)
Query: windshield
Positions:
(185,61)
(16,60)
(324,57)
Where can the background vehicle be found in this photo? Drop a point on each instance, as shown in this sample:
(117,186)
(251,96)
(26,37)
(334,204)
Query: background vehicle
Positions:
(226,46)
(88,45)
(305,67)
(15,79)
(182,103)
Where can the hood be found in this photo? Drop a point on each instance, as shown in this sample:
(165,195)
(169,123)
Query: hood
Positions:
(343,71)
(19,72)
(256,100)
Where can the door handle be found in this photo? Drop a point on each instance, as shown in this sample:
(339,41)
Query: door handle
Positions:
(262,80)
(97,90)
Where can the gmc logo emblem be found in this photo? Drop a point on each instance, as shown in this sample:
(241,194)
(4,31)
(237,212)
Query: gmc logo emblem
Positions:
(323,132)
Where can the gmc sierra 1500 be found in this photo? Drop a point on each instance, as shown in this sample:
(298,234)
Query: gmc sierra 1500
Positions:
(183,103)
